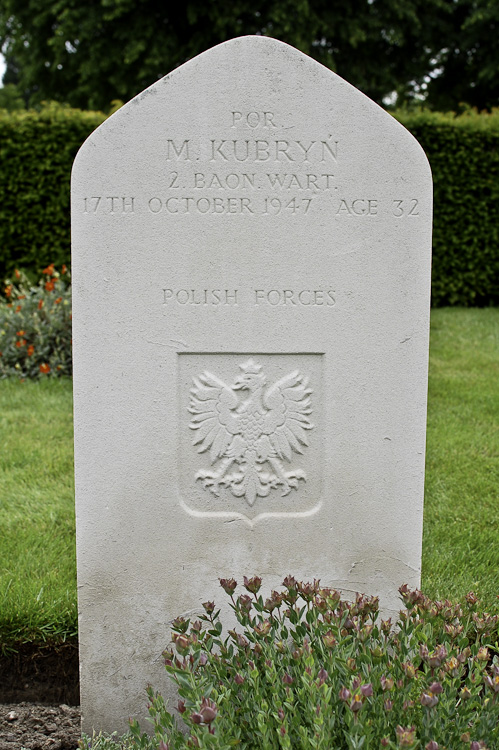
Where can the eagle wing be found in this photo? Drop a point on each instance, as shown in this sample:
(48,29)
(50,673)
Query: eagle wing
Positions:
(212,407)
(287,420)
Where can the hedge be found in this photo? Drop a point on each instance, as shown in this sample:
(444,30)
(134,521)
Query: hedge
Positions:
(464,156)
(38,148)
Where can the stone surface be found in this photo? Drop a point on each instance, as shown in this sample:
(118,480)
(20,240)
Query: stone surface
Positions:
(251,277)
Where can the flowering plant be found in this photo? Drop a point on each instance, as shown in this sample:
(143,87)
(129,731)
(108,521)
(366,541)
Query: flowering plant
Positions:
(35,325)
(308,670)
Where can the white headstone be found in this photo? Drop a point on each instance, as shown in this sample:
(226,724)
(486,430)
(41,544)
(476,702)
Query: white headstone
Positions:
(251,279)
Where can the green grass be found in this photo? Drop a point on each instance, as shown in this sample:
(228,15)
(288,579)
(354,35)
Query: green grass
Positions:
(461,534)
(37,535)
(461,530)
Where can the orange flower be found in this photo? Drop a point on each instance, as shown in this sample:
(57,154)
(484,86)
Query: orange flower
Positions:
(40,304)
(30,350)
(9,304)
(44,368)
(21,296)
(49,270)
(8,290)
(18,308)
(18,275)
(64,268)
(21,342)
(59,299)
(19,333)
(49,286)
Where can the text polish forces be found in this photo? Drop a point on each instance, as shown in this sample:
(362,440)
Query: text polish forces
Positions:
(258,297)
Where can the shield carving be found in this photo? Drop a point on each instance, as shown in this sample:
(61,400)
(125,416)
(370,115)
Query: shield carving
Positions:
(251,442)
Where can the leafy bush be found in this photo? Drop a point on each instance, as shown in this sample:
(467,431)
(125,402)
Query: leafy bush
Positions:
(308,670)
(464,156)
(35,326)
(37,150)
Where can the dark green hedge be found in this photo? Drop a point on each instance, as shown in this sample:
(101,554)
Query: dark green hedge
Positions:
(464,156)
(37,150)
(36,153)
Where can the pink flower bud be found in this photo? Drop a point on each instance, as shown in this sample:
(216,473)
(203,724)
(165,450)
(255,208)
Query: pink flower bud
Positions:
(436,688)
(209,607)
(387,683)
(196,718)
(239,679)
(280,714)
(356,704)
(208,714)
(322,677)
(406,736)
(287,679)
(263,628)
(329,639)
(252,585)
(181,707)
(367,690)
(208,710)
(228,584)
(245,602)
(410,670)
(344,694)
(242,642)
(181,643)
(432,745)
(483,654)
(429,700)
(386,626)
(180,624)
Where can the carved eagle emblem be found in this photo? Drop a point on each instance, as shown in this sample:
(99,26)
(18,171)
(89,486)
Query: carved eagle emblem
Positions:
(250,428)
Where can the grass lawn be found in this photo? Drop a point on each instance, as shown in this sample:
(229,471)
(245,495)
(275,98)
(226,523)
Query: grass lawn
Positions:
(461,535)
(37,534)
(461,530)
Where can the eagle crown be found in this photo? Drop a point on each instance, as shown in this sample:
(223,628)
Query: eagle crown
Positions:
(251,378)
(249,382)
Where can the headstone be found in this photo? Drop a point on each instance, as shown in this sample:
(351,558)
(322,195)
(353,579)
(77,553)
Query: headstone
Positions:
(251,279)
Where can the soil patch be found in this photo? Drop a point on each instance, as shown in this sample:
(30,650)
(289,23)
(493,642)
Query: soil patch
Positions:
(34,726)
(41,674)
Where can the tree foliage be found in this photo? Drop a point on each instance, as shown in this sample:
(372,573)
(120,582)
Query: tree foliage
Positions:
(89,53)
(468,62)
